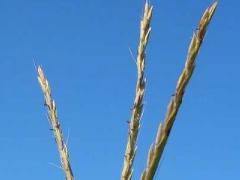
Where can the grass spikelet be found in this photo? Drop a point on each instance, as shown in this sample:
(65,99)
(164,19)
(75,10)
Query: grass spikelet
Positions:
(164,129)
(140,86)
(52,115)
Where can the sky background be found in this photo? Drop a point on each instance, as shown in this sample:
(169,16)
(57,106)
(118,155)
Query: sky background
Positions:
(83,47)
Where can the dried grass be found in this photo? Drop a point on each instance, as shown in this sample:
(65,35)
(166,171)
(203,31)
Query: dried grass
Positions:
(156,149)
(52,115)
(138,101)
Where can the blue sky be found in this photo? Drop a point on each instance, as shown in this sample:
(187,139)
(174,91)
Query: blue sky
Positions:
(83,47)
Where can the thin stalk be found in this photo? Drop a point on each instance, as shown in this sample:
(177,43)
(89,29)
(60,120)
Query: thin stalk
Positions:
(156,149)
(57,132)
(138,101)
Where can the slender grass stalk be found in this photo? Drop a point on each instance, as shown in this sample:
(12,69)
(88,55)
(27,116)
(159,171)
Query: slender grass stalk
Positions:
(156,149)
(52,115)
(138,101)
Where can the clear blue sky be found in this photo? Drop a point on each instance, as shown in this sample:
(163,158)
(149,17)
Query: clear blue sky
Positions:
(83,48)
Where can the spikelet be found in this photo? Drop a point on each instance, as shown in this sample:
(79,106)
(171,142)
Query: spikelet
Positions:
(164,129)
(55,126)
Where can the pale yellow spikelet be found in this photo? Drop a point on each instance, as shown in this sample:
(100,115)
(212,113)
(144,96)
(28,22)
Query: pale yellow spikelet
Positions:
(164,129)
(52,115)
(134,122)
